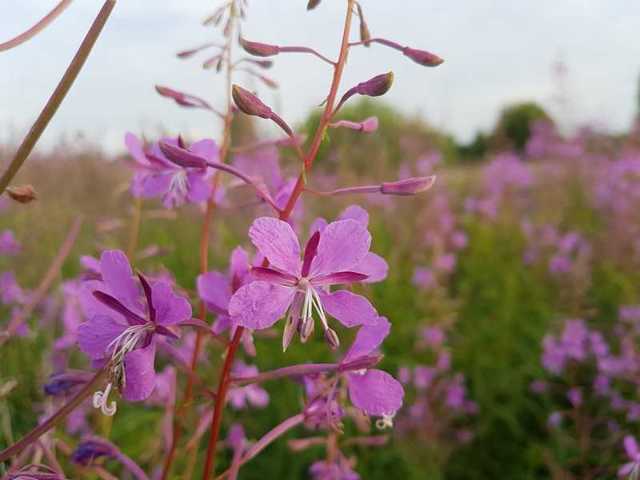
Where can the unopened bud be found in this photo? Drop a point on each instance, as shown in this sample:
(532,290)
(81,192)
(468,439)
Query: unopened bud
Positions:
(22,193)
(408,186)
(422,57)
(332,339)
(89,450)
(62,383)
(376,86)
(368,125)
(312,4)
(259,49)
(250,104)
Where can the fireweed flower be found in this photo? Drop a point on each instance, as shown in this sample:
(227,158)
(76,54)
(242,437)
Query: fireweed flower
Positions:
(631,468)
(216,289)
(157,176)
(300,287)
(373,391)
(252,394)
(340,469)
(123,322)
(8,243)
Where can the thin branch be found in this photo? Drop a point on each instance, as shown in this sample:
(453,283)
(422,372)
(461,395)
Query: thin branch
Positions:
(37,28)
(58,95)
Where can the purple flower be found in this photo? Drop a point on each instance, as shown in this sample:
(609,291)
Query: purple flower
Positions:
(631,468)
(10,291)
(8,243)
(216,289)
(156,176)
(252,394)
(124,318)
(424,278)
(373,391)
(574,395)
(337,255)
(340,469)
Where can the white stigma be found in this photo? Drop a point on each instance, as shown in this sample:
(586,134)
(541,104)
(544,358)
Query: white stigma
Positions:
(386,421)
(100,400)
(121,345)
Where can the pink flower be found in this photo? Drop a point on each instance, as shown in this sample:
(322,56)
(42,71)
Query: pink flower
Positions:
(336,256)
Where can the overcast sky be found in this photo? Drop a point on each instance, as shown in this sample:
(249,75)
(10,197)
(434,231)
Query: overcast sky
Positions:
(496,51)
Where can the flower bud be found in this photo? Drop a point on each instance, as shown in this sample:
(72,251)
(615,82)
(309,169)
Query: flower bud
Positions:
(368,125)
(374,87)
(422,57)
(22,193)
(248,103)
(62,383)
(88,450)
(332,339)
(408,186)
(259,49)
(312,4)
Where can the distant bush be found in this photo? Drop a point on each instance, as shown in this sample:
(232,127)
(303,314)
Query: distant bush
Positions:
(514,125)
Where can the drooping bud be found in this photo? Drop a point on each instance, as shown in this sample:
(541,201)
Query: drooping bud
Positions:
(182,157)
(62,383)
(184,99)
(192,51)
(408,186)
(22,193)
(374,87)
(422,57)
(259,49)
(312,4)
(332,339)
(250,104)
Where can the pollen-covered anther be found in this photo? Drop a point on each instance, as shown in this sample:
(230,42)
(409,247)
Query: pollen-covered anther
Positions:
(386,421)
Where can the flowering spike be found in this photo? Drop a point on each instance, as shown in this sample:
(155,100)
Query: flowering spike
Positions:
(374,87)
(259,49)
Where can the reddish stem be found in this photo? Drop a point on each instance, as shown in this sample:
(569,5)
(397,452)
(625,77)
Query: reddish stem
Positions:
(225,376)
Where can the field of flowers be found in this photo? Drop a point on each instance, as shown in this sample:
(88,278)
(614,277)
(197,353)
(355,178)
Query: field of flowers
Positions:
(216,308)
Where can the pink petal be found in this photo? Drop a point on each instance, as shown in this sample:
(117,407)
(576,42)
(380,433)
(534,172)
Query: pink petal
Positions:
(368,339)
(170,308)
(200,188)
(376,392)
(134,145)
(343,245)
(626,469)
(270,275)
(239,264)
(207,149)
(318,225)
(258,397)
(339,278)
(277,241)
(357,213)
(631,446)
(214,289)
(95,335)
(259,305)
(118,276)
(348,308)
(140,373)
(374,267)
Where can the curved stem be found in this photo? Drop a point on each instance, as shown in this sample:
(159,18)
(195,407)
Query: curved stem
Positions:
(266,440)
(58,95)
(51,422)
(307,50)
(38,27)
